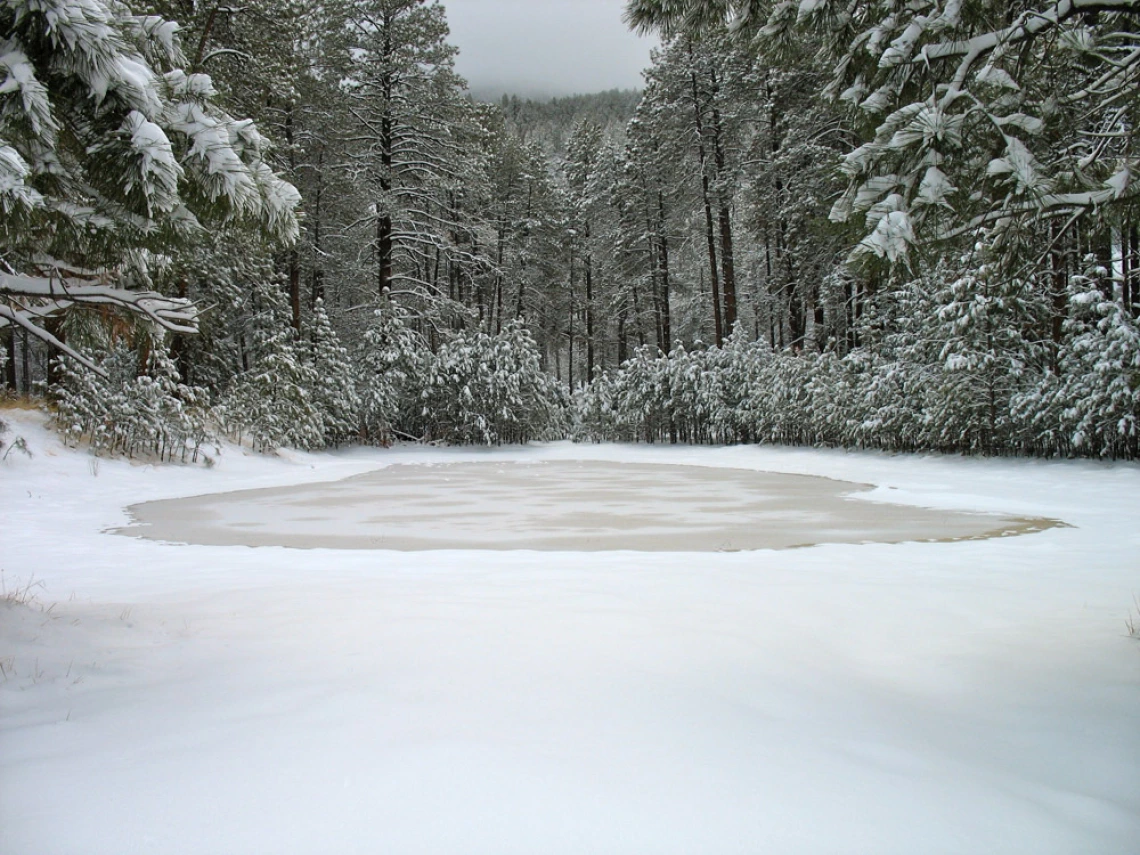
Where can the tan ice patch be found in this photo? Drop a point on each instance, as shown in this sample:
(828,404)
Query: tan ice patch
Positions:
(559,506)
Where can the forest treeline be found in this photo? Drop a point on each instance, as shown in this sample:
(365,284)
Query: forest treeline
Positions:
(289,223)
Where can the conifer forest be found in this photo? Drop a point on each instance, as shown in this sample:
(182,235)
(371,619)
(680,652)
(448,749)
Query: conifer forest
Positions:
(288,223)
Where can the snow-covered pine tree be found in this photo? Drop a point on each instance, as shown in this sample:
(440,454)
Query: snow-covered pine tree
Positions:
(334,390)
(642,198)
(135,405)
(1094,401)
(986,332)
(686,113)
(415,161)
(278,62)
(584,153)
(984,115)
(486,390)
(270,404)
(110,151)
(390,373)
(529,259)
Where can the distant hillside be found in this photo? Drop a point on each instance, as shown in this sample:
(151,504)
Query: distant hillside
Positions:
(550,122)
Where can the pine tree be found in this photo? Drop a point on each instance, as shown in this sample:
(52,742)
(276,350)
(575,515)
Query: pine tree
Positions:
(270,404)
(1095,400)
(487,390)
(333,391)
(584,155)
(412,158)
(136,405)
(108,150)
(391,368)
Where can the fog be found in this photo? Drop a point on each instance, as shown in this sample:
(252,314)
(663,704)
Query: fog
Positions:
(537,48)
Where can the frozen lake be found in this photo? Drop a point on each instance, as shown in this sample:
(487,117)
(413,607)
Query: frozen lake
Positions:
(582,505)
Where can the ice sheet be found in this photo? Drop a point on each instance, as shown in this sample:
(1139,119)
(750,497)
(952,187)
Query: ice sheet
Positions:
(559,505)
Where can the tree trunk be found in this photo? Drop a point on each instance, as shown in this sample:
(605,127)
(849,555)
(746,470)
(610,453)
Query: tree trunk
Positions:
(589,313)
(727,257)
(1060,295)
(179,351)
(294,255)
(637,316)
(797,322)
(26,363)
(56,328)
(295,288)
(200,53)
(706,197)
(317,284)
(497,298)
(570,325)
(1132,274)
(655,289)
(384,214)
(10,365)
(499,308)
(663,278)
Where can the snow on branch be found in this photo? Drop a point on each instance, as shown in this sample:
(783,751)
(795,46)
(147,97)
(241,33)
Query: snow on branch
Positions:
(27,301)
(170,313)
(1028,25)
(10,315)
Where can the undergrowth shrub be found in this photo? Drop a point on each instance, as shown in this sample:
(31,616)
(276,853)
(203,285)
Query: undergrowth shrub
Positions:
(134,410)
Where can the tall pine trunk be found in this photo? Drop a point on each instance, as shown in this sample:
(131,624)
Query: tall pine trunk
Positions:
(727,257)
(294,256)
(589,312)
(663,277)
(317,283)
(384,244)
(10,365)
(706,198)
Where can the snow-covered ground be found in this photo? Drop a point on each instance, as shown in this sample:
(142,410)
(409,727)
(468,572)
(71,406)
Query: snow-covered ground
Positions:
(967,697)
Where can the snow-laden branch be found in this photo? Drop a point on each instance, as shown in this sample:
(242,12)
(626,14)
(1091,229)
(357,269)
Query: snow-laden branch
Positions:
(1028,25)
(28,301)
(59,293)
(21,318)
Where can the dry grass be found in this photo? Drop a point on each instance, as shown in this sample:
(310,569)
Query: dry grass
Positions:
(12,403)
(21,402)
(21,593)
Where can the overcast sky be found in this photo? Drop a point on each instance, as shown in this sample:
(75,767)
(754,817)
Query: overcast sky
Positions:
(545,47)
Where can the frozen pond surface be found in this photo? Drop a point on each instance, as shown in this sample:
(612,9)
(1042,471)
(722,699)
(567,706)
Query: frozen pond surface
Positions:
(560,505)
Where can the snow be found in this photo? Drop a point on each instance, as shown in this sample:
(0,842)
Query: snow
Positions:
(14,172)
(1021,164)
(1120,180)
(977,696)
(164,34)
(994,76)
(935,187)
(225,175)
(281,200)
(195,86)
(159,171)
(134,75)
(893,233)
(20,76)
